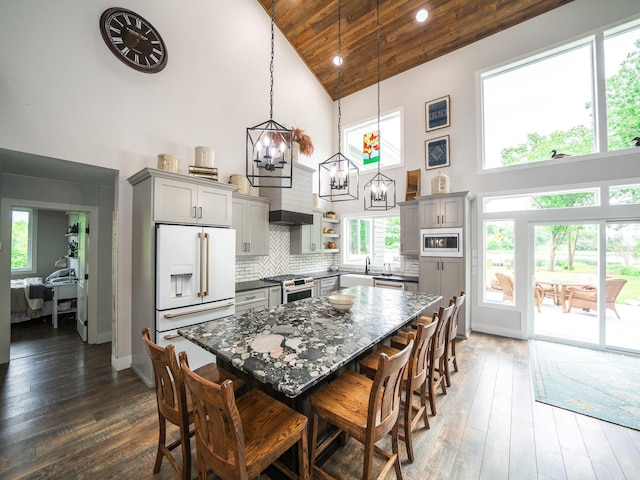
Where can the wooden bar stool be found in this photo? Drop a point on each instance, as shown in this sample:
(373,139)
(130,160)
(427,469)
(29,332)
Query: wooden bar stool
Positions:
(174,402)
(452,333)
(238,439)
(364,409)
(415,378)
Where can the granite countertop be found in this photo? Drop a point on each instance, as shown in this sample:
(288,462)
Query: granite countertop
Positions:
(294,346)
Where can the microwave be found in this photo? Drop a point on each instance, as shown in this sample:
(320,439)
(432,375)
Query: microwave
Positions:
(441,242)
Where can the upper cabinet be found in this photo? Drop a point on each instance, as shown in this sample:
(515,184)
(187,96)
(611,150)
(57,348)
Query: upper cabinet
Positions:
(307,238)
(409,228)
(251,221)
(443,210)
(184,199)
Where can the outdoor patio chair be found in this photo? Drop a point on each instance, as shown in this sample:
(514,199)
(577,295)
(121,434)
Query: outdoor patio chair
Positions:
(587,297)
(506,284)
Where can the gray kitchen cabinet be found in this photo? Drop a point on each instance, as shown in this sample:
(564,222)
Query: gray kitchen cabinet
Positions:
(411,286)
(329,284)
(251,221)
(252,301)
(409,228)
(189,200)
(444,210)
(307,238)
(444,276)
(275,296)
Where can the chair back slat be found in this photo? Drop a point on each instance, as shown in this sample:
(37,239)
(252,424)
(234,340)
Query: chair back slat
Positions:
(419,361)
(458,301)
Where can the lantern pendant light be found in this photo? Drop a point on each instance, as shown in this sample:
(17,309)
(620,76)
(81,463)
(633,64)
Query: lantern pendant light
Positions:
(380,191)
(338,176)
(269,144)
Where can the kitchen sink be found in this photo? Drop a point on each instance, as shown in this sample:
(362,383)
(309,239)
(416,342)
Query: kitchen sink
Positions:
(355,279)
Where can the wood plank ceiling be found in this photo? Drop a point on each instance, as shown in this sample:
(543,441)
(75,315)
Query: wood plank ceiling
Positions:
(311,26)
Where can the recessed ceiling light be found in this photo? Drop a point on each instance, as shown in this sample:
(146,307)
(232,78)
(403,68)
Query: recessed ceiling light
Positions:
(422,15)
(337,60)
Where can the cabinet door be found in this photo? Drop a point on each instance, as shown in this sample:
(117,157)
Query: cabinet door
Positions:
(257,227)
(409,230)
(429,213)
(275,296)
(174,201)
(316,232)
(237,222)
(452,212)
(214,206)
(429,280)
(451,278)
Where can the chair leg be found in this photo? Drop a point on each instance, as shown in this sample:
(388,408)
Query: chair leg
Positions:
(394,449)
(185,445)
(453,356)
(443,368)
(447,377)
(162,436)
(423,403)
(432,394)
(408,438)
(303,456)
(314,444)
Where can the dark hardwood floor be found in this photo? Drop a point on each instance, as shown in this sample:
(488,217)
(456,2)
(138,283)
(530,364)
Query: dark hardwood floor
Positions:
(66,414)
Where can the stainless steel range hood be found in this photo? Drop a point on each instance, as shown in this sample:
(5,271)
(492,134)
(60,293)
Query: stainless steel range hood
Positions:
(292,206)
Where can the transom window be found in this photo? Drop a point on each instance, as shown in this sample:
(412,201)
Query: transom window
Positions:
(543,107)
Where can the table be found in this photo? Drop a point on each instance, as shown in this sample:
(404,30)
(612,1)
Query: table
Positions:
(560,291)
(295,346)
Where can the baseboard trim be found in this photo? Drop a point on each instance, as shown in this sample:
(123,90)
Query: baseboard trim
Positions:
(121,363)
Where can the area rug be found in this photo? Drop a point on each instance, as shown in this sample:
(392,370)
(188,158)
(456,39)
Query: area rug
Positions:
(591,382)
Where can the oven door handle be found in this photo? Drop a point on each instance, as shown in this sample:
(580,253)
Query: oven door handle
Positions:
(299,288)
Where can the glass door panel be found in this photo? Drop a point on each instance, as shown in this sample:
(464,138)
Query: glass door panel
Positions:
(565,271)
(622,286)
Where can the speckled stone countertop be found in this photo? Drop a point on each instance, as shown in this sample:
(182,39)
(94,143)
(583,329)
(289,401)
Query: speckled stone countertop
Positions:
(294,346)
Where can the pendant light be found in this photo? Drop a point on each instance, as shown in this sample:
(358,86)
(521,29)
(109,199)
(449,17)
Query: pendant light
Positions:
(335,175)
(380,191)
(269,144)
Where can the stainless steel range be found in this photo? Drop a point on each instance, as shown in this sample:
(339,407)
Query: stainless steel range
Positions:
(294,287)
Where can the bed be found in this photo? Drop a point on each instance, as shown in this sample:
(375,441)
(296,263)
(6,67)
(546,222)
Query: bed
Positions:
(30,298)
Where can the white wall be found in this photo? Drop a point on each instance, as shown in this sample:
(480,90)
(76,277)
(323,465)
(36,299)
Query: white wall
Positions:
(63,94)
(456,75)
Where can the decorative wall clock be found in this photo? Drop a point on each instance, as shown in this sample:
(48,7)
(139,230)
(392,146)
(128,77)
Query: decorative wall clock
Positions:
(133,40)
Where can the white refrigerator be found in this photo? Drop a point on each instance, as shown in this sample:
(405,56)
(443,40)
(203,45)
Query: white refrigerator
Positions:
(195,283)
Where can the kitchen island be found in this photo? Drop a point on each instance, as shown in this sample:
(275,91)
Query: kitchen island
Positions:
(291,348)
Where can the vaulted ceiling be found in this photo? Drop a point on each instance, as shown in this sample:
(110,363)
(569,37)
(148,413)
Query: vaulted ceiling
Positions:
(311,27)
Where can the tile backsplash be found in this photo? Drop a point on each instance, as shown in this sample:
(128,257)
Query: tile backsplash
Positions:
(280,261)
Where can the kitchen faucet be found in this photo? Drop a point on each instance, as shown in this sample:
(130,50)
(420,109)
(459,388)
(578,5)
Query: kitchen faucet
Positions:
(367,264)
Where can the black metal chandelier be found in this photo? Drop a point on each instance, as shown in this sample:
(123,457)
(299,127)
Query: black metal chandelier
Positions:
(336,181)
(380,191)
(269,144)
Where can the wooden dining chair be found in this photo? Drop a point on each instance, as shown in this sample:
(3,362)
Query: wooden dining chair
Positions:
(174,402)
(239,438)
(364,409)
(413,382)
(452,333)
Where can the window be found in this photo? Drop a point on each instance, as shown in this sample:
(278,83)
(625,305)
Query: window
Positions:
(546,103)
(390,137)
(499,248)
(375,237)
(624,195)
(22,241)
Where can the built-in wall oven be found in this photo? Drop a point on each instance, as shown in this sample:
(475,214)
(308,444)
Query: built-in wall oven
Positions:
(294,287)
(441,242)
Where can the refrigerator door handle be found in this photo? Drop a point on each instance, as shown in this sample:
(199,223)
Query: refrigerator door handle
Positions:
(201,239)
(199,310)
(206,292)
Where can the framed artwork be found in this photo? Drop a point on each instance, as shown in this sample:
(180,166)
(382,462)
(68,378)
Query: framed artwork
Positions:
(437,113)
(371,147)
(413,184)
(437,152)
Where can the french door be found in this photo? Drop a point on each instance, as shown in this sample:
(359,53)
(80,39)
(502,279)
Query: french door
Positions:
(586,283)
